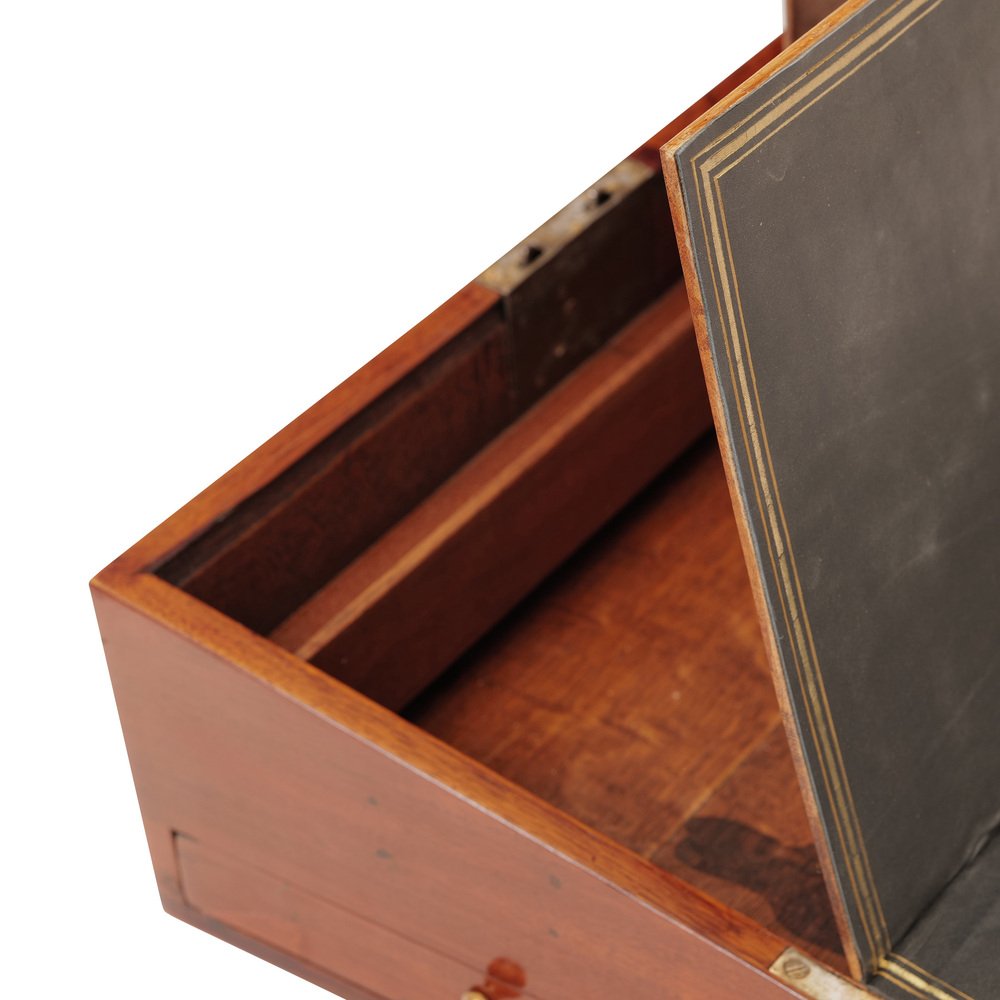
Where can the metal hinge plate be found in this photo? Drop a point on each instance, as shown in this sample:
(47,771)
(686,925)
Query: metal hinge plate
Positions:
(533,253)
(814,981)
(579,279)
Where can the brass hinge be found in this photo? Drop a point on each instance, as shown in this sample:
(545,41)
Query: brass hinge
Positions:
(813,980)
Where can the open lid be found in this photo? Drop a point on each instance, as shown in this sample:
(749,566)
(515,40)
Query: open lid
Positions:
(840,220)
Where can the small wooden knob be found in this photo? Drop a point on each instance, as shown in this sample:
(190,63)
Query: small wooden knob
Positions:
(474,995)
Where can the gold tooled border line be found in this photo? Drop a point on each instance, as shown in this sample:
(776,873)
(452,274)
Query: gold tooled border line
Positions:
(911,978)
(707,169)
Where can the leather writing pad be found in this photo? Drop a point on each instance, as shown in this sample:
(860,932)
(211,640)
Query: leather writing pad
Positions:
(841,222)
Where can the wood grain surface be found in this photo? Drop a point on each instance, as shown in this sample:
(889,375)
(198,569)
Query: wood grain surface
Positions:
(632,692)
(246,749)
(292,815)
(400,614)
(271,552)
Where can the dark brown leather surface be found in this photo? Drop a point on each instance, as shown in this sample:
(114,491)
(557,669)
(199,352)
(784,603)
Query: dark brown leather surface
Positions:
(845,222)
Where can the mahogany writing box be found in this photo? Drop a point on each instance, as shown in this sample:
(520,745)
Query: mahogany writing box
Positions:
(457,686)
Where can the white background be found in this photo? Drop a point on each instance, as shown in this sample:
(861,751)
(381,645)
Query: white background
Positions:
(210,214)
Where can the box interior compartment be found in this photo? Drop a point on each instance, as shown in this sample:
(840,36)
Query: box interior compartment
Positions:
(631,690)
(527,549)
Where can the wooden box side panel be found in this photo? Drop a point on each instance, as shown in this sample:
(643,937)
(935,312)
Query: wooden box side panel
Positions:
(223,753)
(330,416)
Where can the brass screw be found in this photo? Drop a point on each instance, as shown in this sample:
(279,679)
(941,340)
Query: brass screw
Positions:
(795,968)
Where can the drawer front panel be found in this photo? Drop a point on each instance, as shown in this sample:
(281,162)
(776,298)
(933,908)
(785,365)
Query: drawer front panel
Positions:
(314,930)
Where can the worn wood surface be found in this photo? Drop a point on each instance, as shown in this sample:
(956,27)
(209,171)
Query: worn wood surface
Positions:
(620,258)
(451,569)
(749,845)
(632,692)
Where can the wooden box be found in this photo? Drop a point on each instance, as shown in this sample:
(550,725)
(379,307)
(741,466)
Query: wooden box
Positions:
(457,686)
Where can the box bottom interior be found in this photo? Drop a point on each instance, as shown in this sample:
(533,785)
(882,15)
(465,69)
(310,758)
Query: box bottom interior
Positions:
(631,691)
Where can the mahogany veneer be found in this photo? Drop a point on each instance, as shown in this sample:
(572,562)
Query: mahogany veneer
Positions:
(457,682)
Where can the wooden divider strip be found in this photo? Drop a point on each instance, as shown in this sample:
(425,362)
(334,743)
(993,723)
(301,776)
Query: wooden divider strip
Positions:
(394,620)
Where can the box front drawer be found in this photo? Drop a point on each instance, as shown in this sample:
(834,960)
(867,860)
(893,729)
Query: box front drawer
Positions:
(314,930)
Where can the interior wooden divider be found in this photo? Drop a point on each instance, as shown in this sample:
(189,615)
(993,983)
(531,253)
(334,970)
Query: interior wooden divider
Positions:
(261,560)
(418,597)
